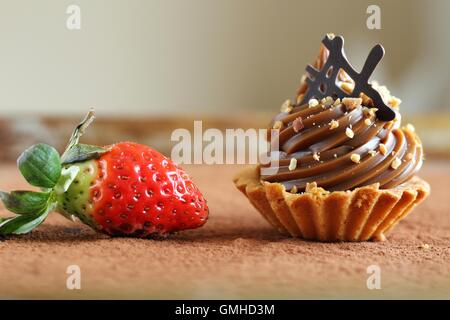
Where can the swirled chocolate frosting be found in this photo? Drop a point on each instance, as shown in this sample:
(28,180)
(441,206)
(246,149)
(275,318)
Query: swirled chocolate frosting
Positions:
(342,145)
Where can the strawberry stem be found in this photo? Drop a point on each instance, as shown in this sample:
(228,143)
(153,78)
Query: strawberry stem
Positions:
(76,152)
(79,131)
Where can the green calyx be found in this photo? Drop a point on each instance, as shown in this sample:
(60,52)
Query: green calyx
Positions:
(43,167)
(74,200)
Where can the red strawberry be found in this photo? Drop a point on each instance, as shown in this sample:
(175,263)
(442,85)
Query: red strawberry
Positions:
(126,189)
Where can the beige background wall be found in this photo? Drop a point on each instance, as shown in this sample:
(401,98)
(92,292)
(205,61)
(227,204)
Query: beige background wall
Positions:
(206,56)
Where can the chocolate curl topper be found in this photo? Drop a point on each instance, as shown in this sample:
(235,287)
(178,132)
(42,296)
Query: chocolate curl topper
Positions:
(322,83)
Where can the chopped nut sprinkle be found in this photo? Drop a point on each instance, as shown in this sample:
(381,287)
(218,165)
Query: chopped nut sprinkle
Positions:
(334,124)
(372,153)
(410,127)
(310,186)
(313,103)
(316,157)
(367,122)
(351,103)
(395,102)
(297,124)
(329,101)
(277,125)
(424,246)
(337,101)
(365,99)
(383,149)
(347,87)
(396,163)
(372,111)
(293,164)
(349,133)
(286,106)
(355,157)
(294,189)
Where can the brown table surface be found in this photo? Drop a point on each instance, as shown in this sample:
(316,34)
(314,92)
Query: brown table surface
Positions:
(236,255)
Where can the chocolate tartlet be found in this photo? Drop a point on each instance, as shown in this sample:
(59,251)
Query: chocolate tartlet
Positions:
(345,167)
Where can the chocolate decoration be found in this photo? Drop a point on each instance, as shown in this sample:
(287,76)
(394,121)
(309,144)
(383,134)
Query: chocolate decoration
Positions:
(322,83)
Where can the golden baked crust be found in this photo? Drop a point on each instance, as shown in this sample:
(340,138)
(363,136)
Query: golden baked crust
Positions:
(362,214)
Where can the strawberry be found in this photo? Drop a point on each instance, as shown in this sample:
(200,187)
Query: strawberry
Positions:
(126,189)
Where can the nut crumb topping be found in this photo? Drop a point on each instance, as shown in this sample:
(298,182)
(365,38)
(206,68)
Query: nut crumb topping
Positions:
(365,99)
(313,102)
(370,111)
(383,149)
(351,103)
(349,133)
(396,163)
(315,190)
(286,106)
(316,156)
(355,157)
(303,78)
(277,125)
(328,101)
(372,153)
(334,124)
(410,127)
(297,124)
(367,122)
(293,164)
(294,189)
(395,102)
(310,186)
(337,102)
(348,87)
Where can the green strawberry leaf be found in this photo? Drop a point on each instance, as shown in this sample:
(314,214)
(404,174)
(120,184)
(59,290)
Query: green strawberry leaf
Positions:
(82,152)
(23,224)
(40,165)
(25,202)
